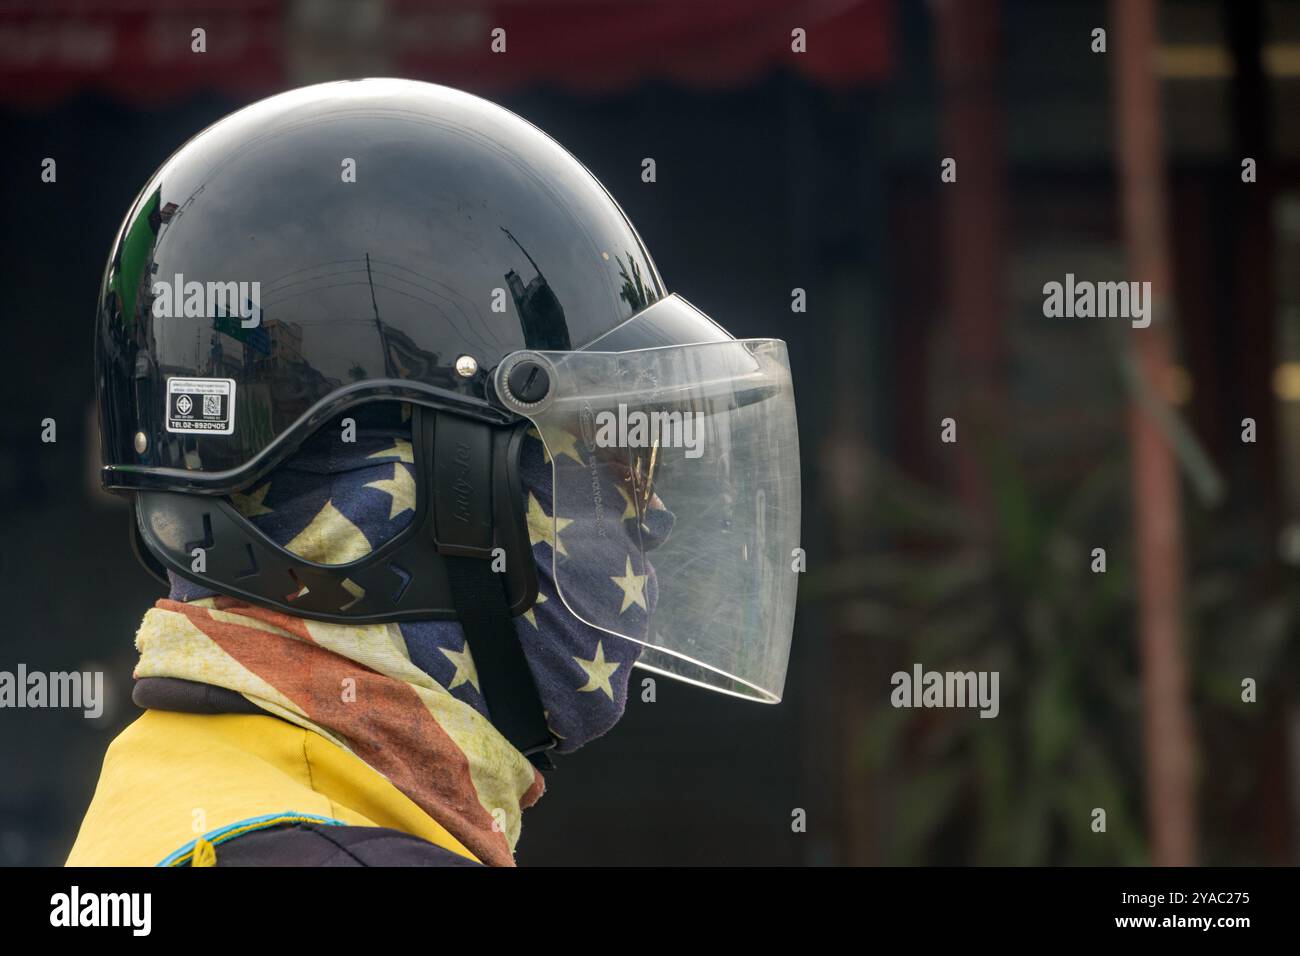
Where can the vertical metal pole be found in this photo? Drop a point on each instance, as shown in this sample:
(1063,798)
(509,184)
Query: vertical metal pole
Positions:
(968,50)
(1168,740)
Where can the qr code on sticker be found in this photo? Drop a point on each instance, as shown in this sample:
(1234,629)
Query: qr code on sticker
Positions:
(212,405)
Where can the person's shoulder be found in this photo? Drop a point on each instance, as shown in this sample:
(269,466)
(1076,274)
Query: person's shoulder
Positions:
(309,844)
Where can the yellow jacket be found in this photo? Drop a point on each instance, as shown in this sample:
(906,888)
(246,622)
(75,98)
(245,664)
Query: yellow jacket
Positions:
(175,785)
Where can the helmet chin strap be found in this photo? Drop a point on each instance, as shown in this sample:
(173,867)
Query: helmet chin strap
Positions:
(469,509)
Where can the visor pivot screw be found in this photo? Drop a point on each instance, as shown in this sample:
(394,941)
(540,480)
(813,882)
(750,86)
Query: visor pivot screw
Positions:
(528,382)
(141,443)
(466,366)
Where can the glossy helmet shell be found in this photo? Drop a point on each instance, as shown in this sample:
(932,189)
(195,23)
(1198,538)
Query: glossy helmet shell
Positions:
(390,231)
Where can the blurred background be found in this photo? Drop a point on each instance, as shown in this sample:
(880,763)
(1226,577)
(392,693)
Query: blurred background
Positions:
(1112,157)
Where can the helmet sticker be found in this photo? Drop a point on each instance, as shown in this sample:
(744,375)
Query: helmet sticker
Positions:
(201,405)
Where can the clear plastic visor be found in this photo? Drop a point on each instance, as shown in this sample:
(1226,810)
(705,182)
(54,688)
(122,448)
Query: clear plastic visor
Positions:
(675,507)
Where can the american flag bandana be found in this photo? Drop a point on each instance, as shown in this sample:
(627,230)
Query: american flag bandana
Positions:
(334,502)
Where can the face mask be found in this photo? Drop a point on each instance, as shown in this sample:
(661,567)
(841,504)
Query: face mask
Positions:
(334,502)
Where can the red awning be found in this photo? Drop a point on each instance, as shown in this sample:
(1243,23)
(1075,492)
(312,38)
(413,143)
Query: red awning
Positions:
(141,51)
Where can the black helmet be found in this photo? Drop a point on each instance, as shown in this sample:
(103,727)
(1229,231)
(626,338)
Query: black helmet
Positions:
(385,239)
